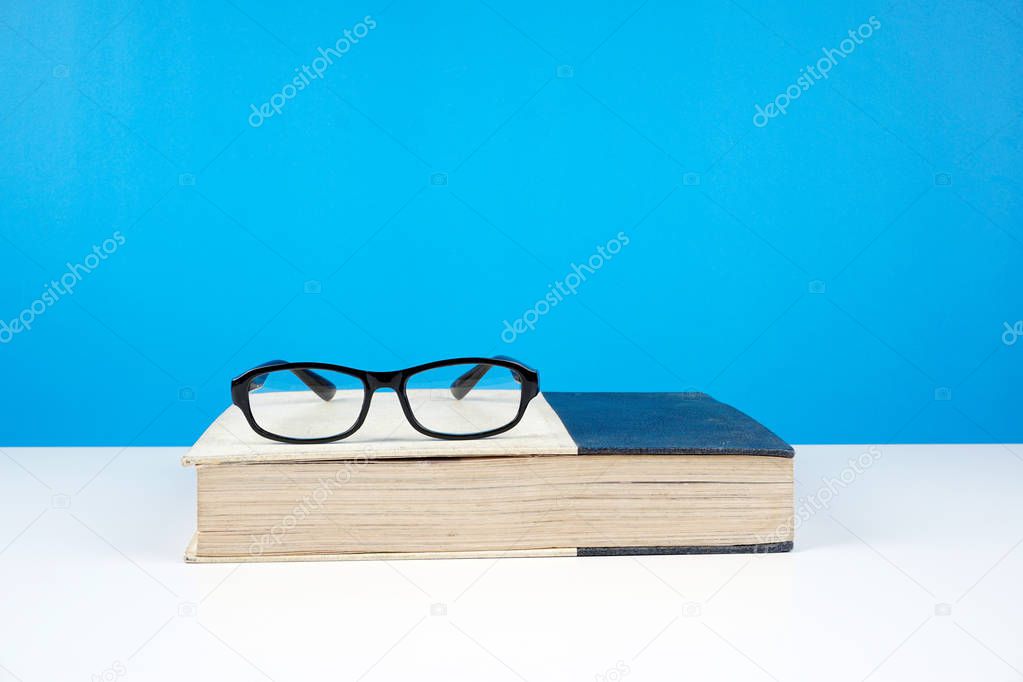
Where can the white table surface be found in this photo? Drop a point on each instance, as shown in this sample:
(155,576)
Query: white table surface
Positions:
(910,571)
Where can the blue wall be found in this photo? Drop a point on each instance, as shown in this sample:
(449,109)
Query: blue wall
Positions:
(844,270)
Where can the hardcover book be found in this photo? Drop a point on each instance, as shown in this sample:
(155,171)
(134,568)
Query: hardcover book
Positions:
(583,474)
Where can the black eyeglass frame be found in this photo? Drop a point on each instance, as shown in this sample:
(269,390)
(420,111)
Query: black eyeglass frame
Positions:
(397,380)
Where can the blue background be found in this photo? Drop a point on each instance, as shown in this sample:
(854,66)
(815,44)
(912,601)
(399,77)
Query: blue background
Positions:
(462,157)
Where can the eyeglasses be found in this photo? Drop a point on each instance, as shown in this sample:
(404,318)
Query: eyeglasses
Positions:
(315,402)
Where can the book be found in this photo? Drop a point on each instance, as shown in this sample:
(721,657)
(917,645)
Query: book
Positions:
(583,474)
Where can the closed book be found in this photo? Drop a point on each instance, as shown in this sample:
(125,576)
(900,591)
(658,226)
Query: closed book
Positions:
(583,474)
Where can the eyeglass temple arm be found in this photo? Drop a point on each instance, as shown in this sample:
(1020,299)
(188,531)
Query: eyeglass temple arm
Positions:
(461,386)
(317,383)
